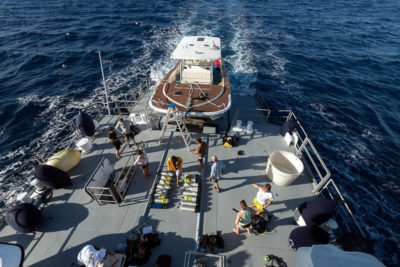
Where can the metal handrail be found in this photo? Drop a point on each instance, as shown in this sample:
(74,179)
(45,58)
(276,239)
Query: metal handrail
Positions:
(324,180)
(325,187)
(25,170)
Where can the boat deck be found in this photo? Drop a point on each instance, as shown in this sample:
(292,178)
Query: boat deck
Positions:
(78,220)
(218,96)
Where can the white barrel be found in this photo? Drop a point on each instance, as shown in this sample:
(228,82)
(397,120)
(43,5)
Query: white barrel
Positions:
(161,201)
(38,185)
(189,193)
(249,128)
(188,208)
(84,145)
(190,198)
(24,197)
(238,124)
(188,203)
(283,167)
(163,186)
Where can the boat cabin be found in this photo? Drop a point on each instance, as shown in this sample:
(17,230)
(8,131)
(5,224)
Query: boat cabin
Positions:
(199,60)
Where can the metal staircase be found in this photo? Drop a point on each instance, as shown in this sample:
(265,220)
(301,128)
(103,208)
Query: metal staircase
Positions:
(177,116)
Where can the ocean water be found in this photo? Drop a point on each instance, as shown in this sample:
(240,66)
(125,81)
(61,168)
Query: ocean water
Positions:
(336,63)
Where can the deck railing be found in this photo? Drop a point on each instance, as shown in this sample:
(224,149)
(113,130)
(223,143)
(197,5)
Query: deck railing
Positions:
(316,167)
(64,138)
(319,171)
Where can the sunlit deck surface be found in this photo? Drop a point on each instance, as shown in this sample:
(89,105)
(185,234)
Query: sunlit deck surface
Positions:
(78,220)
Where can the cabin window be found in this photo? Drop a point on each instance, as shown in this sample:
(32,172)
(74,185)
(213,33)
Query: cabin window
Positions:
(200,39)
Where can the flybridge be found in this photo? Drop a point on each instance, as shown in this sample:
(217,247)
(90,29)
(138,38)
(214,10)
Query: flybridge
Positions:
(198,48)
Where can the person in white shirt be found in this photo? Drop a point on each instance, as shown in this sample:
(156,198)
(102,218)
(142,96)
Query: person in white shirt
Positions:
(124,127)
(217,169)
(263,199)
(143,161)
(89,256)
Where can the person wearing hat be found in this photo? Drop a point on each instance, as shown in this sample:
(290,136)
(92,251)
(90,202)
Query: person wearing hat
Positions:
(174,163)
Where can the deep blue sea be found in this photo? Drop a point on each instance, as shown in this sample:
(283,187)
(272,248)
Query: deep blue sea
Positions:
(336,63)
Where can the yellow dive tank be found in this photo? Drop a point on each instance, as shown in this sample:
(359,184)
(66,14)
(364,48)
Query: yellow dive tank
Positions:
(65,160)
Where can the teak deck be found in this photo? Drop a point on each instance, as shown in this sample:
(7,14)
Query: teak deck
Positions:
(160,101)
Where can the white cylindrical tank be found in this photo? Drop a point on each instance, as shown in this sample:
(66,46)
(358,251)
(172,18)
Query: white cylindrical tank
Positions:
(188,208)
(238,124)
(84,145)
(249,127)
(24,197)
(283,167)
(190,193)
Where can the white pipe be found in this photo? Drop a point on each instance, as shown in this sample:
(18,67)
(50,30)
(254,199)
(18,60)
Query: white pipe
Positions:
(189,193)
(190,198)
(188,203)
(161,200)
(161,186)
(188,208)
(192,189)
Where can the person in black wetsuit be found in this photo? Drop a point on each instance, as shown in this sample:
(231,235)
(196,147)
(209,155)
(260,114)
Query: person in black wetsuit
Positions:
(115,141)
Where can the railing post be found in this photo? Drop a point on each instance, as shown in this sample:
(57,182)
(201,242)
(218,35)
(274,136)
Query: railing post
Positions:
(303,145)
(104,84)
(321,183)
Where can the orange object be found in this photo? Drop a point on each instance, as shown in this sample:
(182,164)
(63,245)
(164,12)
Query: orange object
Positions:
(115,262)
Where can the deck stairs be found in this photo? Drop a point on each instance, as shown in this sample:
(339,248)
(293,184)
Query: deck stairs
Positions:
(174,114)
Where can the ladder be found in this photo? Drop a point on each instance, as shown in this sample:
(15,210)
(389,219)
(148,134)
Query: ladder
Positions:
(177,116)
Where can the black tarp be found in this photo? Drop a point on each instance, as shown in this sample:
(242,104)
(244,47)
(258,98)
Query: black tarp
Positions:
(52,177)
(289,126)
(24,218)
(317,211)
(306,236)
(85,124)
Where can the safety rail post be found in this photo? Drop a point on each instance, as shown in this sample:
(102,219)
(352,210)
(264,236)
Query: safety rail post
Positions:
(345,205)
(104,84)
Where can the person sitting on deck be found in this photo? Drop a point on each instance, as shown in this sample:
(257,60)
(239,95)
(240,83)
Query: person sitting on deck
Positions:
(263,199)
(174,163)
(243,218)
(90,256)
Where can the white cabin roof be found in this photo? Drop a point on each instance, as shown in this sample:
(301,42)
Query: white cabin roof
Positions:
(198,47)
